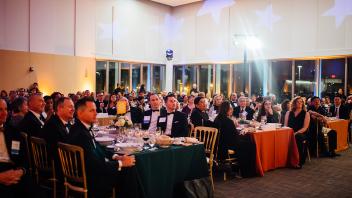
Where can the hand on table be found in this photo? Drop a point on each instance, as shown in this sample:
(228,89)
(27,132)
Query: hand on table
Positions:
(127,161)
(10,177)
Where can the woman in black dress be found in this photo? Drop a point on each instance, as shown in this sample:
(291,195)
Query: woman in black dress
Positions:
(285,106)
(298,119)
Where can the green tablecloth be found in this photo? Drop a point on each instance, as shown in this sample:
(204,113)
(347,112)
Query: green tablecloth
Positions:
(160,170)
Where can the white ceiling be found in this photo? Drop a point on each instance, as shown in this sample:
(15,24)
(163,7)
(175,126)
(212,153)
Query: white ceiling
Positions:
(175,2)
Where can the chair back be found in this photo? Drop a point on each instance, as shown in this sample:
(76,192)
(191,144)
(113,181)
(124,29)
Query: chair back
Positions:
(73,166)
(24,138)
(207,135)
(40,154)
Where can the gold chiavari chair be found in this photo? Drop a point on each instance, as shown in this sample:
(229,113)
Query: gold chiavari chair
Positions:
(28,156)
(208,136)
(43,165)
(73,168)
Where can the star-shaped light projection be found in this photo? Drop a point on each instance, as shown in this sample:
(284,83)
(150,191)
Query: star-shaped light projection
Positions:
(214,7)
(219,53)
(267,18)
(341,9)
(170,29)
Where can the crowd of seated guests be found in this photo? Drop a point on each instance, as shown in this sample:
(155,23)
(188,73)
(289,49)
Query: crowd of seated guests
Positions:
(56,118)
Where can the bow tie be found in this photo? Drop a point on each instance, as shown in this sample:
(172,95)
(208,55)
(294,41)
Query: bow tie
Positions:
(155,110)
(170,113)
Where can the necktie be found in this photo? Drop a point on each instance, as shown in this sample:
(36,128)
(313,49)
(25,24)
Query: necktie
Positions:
(92,136)
(241,110)
(68,126)
(337,112)
(155,110)
(41,117)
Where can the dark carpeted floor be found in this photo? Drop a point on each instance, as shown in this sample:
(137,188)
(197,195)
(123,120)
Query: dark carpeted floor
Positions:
(322,177)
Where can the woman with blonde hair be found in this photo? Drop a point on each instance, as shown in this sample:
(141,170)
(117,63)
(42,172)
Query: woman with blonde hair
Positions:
(298,119)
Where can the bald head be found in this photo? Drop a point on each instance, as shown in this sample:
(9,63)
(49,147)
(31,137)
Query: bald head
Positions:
(3,111)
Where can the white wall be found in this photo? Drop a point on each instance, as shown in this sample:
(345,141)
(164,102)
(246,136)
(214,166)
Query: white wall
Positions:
(299,29)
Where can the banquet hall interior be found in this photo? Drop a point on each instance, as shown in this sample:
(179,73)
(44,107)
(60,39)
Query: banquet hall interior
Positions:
(175,98)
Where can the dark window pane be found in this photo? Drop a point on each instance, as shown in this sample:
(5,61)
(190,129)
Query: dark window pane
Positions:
(332,76)
(281,79)
(305,78)
(100,76)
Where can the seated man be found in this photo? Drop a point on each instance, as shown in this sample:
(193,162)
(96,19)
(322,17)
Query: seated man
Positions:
(104,171)
(173,123)
(339,110)
(14,182)
(56,129)
(199,117)
(317,114)
(243,110)
(101,104)
(150,117)
(33,121)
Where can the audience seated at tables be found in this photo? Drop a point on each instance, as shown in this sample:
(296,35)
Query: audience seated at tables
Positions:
(173,123)
(267,110)
(150,117)
(14,178)
(285,106)
(214,109)
(104,170)
(100,103)
(338,109)
(33,121)
(111,108)
(317,115)
(243,109)
(20,109)
(298,119)
(199,117)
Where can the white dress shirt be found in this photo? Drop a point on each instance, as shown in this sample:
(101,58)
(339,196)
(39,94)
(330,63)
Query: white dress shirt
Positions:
(169,120)
(4,155)
(37,115)
(154,121)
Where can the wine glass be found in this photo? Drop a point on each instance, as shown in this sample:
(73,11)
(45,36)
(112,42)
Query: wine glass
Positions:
(146,137)
(263,120)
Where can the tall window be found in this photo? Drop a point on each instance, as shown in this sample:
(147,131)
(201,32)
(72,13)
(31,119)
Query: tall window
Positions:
(190,78)
(349,76)
(332,76)
(159,72)
(257,75)
(178,84)
(113,75)
(136,76)
(125,76)
(222,79)
(100,76)
(146,76)
(305,78)
(240,76)
(281,79)
(206,79)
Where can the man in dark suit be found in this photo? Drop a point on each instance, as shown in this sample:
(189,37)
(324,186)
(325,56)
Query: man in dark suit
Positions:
(199,117)
(233,100)
(243,109)
(56,129)
(150,117)
(14,182)
(339,110)
(100,103)
(173,123)
(317,114)
(104,170)
(33,121)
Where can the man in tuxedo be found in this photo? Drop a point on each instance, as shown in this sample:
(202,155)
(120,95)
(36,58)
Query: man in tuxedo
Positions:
(33,121)
(150,117)
(173,123)
(56,129)
(233,100)
(317,114)
(14,182)
(243,109)
(338,109)
(100,103)
(199,117)
(104,170)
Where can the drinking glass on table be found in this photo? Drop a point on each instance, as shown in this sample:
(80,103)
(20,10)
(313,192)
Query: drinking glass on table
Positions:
(263,120)
(146,137)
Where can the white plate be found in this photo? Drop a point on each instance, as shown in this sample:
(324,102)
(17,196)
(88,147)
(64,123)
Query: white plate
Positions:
(104,139)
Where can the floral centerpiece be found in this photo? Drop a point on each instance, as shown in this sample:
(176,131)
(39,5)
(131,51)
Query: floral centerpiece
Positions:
(123,121)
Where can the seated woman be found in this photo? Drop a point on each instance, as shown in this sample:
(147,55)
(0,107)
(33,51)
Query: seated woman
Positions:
(267,110)
(189,107)
(285,106)
(112,105)
(229,138)
(228,135)
(20,108)
(298,119)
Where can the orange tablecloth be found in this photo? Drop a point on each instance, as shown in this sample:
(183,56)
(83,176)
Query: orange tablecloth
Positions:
(275,149)
(341,128)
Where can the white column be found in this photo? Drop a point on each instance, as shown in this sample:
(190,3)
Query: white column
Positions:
(168,76)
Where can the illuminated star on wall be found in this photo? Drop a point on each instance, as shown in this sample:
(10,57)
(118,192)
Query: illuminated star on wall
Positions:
(340,10)
(214,7)
(267,18)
